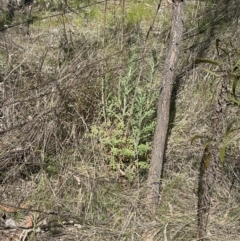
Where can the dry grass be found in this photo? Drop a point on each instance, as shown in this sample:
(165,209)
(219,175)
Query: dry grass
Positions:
(52,94)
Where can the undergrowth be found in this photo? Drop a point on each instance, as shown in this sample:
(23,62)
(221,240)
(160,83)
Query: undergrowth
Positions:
(79,95)
(127,119)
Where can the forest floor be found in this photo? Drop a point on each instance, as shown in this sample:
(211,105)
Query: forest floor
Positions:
(79,91)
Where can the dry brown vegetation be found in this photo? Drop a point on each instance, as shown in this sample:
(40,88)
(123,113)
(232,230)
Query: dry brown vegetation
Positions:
(78,105)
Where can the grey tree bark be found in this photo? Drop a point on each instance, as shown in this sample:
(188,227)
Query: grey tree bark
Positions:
(161,130)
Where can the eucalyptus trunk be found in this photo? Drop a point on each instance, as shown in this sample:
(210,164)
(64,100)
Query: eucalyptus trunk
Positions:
(161,131)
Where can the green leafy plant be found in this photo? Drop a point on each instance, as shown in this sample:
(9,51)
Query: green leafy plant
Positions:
(227,76)
(128,120)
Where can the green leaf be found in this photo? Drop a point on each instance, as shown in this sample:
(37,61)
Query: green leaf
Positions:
(126,152)
(222,153)
(210,72)
(207,145)
(234,85)
(208,61)
(198,137)
(207,160)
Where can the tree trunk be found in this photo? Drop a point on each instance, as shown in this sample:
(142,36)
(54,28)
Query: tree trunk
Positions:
(161,130)
(204,189)
(210,161)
